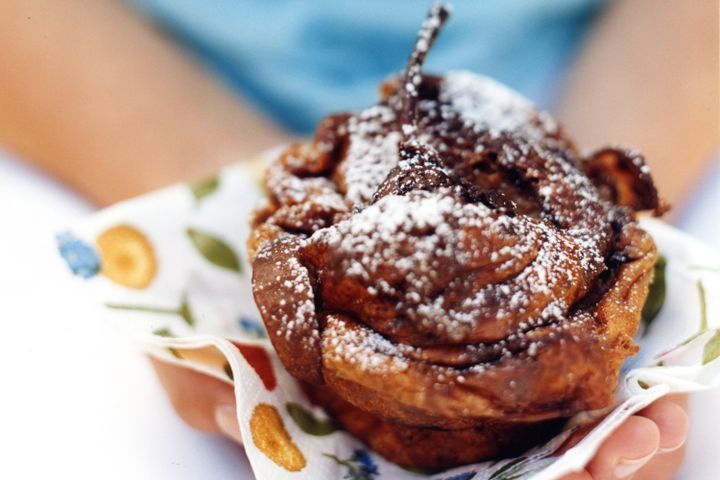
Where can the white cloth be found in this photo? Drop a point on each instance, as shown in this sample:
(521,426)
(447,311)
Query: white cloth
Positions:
(107,416)
(111,418)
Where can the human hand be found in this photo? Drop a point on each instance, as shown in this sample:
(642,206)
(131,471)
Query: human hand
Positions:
(648,446)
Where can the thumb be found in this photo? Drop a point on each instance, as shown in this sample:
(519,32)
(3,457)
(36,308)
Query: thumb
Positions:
(226,419)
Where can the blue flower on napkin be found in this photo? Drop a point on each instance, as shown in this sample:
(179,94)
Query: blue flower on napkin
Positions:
(461,476)
(81,257)
(252,327)
(359,467)
(363,458)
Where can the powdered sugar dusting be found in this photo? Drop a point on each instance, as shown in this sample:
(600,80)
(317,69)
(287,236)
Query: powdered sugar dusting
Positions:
(446,233)
(372,153)
(294,317)
(415,248)
(453,270)
(360,346)
(487,105)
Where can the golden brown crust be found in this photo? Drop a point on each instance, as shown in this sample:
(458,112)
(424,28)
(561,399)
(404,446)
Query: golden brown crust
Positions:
(433,448)
(286,300)
(622,177)
(462,278)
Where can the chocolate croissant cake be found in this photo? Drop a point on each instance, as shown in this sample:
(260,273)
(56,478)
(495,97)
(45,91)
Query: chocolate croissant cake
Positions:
(446,273)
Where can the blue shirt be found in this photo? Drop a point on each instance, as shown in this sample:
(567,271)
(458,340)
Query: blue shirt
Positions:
(300,60)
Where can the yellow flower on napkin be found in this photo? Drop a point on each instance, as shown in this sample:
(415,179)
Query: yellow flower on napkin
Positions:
(126,257)
(272,439)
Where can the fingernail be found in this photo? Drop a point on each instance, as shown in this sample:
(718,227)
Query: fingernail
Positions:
(627,467)
(226,419)
(671,449)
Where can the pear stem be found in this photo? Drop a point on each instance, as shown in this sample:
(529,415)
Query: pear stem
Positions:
(429,31)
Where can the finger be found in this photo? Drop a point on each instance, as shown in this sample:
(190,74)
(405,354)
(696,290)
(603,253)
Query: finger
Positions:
(194,395)
(629,447)
(582,475)
(672,421)
(226,419)
(662,466)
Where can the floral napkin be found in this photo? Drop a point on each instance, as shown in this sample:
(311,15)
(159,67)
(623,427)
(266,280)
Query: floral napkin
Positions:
(171,268)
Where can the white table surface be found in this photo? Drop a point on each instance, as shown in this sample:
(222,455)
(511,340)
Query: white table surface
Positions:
(79,401)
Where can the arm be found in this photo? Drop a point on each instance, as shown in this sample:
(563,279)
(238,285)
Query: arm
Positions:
(648,78)
(92,94)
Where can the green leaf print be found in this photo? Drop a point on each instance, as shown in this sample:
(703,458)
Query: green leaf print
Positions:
(307,422)
(204,187)
(703,307)
(703,316)
(214,250)
(509,469)
(703,268)
(142,308)
(656,295)
(183,311)
(228,371)
(163,332)
(422,471)
(360,466)
(166,332)
(712,349)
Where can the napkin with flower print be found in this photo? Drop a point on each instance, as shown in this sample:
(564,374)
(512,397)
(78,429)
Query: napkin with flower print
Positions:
(171,268)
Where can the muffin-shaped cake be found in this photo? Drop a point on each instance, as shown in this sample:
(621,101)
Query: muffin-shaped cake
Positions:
(445,271)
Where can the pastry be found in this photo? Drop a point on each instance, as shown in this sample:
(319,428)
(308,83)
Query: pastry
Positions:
(446,273)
